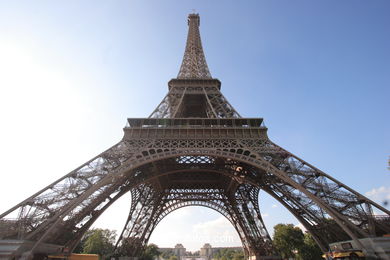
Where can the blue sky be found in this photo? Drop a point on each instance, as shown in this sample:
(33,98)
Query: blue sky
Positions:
(71,72)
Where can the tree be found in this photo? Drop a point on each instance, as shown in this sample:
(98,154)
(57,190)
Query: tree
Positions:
(228,254)
(151,251)
(310,250)
(238,255)
(98,241)
(288,240)
(167,254)
(128,246)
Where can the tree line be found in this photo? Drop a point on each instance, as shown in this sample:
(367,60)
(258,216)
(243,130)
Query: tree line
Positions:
(102,242)
(289,242)
(229,254)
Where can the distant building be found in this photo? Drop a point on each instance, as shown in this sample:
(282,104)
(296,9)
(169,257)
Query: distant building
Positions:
(205,253)
(179,251)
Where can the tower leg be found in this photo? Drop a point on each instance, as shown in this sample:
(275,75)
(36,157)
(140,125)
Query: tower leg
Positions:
(249,221)
(140,223)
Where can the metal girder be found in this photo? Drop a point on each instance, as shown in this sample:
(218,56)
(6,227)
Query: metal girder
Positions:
(210,104)
(194,62)
(239,207)
(194,149)
(308,193)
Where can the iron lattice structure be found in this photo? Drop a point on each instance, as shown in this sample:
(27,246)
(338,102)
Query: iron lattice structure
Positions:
(194,149)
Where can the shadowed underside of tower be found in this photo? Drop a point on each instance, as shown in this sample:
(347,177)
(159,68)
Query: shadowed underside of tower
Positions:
(194,149)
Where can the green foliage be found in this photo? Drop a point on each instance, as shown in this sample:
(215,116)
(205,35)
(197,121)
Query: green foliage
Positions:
(127,246)
(229,254)
(238,255)
(290,242)
(310,250)
(97,241)
(167,254)
(151,251)
(172,257)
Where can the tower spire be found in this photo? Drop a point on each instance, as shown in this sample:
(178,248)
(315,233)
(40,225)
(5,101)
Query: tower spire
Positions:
(194,64)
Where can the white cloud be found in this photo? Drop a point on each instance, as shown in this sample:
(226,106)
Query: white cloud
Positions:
(217,232)
(380,195)
(274,206)
(193,227)
(264,215)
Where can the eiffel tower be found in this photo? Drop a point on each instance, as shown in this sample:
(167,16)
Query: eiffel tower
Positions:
(194,149)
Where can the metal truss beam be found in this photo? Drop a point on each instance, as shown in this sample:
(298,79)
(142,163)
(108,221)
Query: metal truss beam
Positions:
(194,149)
